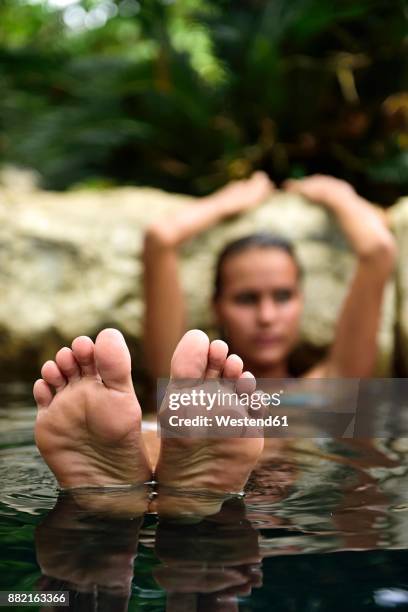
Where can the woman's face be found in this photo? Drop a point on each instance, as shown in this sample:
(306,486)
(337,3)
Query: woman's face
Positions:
(260,305)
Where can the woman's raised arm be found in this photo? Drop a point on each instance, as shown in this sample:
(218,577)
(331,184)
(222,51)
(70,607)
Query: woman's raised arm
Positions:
(354,349)
(165,311)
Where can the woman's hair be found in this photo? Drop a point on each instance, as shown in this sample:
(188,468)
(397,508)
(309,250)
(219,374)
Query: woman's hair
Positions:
(260,240)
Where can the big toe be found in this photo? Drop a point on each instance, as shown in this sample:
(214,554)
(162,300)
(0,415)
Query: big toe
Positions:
(113,361)
(190,359)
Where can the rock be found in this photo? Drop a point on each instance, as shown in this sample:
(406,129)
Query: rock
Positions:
(70,264)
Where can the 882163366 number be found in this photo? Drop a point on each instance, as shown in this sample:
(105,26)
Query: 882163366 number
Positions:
(34,598)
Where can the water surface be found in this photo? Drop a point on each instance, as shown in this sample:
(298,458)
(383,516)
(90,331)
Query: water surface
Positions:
(323,527)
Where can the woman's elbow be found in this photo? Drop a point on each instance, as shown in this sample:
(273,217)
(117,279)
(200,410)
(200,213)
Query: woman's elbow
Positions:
(158,236)
(382,254)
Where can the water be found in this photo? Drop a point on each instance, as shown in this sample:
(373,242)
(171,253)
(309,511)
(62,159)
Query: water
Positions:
(323,527)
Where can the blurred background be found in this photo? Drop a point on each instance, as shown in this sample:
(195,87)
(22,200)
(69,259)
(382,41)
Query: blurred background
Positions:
(188,94)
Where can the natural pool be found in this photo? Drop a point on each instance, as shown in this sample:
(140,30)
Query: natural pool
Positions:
(322,528)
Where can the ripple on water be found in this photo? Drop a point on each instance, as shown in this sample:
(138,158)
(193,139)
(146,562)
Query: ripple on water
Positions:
(321,499)
(316,493)
(27,484)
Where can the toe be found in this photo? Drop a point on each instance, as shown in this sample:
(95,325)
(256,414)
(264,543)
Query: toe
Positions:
(113,361)
(217,356)
(190,359)
(83,350)
(53,375)
(42,394)
(246,383)
(68,364)
(233,367)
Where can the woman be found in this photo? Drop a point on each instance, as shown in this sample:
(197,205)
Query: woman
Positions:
(258,297)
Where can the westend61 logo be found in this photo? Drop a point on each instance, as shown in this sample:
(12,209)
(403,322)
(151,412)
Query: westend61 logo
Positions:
(223,399)
(211,409)
(306,408)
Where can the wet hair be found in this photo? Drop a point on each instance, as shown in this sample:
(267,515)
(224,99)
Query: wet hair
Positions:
(259,240)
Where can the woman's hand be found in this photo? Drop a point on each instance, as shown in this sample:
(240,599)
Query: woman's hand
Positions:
(235,198)
(321,188)
(240,196)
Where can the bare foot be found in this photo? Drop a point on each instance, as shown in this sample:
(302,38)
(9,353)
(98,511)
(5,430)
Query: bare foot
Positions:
(217,466)
(240,196)
(88,420)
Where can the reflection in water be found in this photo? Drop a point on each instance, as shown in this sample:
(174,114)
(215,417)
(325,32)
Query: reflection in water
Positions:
(324,525)
(207,564)
(210,564)
(89,556)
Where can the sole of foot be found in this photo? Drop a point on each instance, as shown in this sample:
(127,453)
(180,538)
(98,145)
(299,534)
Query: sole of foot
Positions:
(212,467)
(88,426)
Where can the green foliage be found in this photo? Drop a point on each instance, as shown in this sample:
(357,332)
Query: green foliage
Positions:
(187,94)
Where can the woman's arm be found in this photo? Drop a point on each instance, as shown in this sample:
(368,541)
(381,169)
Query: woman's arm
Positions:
(165,310)
(354,350)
